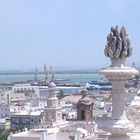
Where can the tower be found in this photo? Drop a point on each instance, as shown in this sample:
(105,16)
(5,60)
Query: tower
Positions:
(85,107)
(53,111)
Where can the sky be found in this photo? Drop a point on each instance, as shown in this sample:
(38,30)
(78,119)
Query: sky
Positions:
(66,34)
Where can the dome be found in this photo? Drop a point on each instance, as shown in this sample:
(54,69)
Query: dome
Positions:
(52,85)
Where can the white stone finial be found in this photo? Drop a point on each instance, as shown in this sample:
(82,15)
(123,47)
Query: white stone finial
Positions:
(118,46)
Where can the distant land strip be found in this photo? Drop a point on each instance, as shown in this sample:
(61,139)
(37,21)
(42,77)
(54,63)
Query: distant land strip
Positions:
(55,72)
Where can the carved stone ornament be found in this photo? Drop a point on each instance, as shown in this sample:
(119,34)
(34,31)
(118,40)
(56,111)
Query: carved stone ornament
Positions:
(118,46)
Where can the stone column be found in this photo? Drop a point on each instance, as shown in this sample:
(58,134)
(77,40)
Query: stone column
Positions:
(118,102)
(118,124)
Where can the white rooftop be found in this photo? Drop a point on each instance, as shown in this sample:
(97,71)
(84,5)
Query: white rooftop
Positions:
(28,112)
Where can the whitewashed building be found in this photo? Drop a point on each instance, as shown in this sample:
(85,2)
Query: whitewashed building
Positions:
(4,105)
(25,88)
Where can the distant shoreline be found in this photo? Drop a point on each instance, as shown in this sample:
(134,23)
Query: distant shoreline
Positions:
(56,72)
(73,76)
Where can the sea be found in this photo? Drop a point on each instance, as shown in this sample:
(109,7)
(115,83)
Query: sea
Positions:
(70,77)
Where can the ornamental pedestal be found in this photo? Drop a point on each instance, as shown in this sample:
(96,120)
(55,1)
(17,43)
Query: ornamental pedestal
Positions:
(119,124)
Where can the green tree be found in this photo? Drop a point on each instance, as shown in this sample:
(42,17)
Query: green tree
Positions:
(3,136)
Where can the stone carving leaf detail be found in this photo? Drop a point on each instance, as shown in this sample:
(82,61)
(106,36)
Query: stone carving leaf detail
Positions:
(118,44)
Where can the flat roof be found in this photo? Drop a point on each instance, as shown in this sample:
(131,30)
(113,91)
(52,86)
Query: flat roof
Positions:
(27,113)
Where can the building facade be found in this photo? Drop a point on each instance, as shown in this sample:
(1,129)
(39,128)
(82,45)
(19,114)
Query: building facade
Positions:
(4,105)
(4,111)
(25,88)
(22,121)
(17,97)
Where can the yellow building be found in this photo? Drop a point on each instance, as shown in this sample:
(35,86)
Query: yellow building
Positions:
(16,97)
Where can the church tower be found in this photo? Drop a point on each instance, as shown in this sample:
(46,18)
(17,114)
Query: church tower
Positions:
(53,111)
(85,107)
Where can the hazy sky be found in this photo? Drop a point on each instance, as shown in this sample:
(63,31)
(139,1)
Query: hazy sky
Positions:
(67,33)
